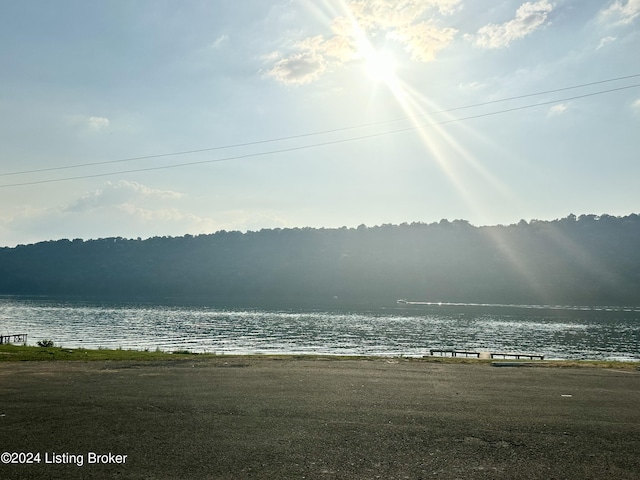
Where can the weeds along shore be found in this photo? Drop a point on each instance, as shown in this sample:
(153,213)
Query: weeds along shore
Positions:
(23,353)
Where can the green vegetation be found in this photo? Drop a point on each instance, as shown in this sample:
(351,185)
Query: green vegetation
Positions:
(585,260)
(30,353)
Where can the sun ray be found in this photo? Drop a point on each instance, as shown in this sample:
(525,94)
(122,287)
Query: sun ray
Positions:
(416,116)
(469,159)
(380,66)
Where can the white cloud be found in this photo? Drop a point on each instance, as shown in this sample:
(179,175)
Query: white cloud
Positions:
(220,41)
(423,40)
(316,54)
(119,193)
(128,219)
(557,110)
(98,123)
(529,18)
(620,12)
(471,86)
(87,123)
(167,217)
(402,21)
(298,69)
(271,57)
(605,41)
(391,14)
(340,47)
(126,209)
(146,191)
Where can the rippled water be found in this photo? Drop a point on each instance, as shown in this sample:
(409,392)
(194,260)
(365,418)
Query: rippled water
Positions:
(412,330)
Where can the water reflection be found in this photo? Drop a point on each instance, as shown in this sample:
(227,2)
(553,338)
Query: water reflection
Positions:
(572,333)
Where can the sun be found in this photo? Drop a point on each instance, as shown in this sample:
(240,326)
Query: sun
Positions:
(380,66)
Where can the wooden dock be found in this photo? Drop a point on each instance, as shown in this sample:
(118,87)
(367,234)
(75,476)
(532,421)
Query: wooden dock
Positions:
(528,356)
(17,338)
(492,355)
(454,353)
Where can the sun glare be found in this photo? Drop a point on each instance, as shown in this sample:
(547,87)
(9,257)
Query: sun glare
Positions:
(380,66)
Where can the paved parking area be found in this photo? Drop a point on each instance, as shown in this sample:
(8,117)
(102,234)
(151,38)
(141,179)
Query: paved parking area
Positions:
(263,418)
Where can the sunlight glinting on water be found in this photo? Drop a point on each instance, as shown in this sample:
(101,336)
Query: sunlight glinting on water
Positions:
(375,332)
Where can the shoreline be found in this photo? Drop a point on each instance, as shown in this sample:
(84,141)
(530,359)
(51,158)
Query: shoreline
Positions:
(14,353)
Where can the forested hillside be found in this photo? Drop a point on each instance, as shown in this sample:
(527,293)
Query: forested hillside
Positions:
(586,260)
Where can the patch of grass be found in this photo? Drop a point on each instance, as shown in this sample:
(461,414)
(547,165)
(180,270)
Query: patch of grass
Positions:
(31,353)
(592,364)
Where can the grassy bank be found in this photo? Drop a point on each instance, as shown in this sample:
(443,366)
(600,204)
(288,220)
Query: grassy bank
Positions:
(32,353)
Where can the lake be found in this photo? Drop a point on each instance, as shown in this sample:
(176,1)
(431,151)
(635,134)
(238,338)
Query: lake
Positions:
(605,333)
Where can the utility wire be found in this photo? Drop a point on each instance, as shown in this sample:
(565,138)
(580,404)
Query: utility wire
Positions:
(321,144)
(311,134)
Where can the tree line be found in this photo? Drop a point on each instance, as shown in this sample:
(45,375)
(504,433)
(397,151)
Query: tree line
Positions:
(585,260)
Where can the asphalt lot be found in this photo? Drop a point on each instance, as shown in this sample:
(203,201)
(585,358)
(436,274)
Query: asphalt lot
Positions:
(263,418)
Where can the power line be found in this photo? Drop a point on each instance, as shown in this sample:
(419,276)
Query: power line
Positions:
(311,134)
(321,144)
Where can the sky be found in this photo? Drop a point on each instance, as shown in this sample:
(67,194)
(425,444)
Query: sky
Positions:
(141,118)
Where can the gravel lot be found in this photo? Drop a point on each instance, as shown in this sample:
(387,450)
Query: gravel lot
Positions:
(266,418)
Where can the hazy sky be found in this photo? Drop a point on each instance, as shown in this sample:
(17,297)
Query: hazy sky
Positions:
(360,85)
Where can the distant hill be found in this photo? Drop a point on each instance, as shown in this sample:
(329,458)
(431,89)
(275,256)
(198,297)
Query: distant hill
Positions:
(586,260)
